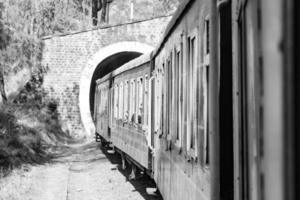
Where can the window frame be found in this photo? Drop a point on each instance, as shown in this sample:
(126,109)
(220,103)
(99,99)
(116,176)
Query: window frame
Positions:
(132,101)
(146,97)
(169,95)
(125,99)
(140,99)
(206,91)
(116,104)
(179,89)
(193,63)
(121,100)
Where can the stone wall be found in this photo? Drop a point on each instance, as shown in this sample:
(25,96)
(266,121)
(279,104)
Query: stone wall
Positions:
(66,56)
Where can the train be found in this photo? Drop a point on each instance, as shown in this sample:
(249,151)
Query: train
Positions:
(213,112)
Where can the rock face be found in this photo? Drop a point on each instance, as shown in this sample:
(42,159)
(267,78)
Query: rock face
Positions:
(67,56)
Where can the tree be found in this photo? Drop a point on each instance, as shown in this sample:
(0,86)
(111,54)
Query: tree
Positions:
(170,5)
(3,43)
(99,5)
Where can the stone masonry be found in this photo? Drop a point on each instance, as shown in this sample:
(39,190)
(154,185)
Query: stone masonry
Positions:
(65,57)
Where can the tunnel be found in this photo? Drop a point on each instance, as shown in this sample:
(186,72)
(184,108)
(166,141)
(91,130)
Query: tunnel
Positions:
(102,62)
(106,66)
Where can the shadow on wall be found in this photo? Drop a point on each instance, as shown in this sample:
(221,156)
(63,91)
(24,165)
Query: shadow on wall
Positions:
(30,126)
(69,111)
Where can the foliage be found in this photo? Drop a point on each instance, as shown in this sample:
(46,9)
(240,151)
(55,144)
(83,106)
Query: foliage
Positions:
(56,16)
(29,126)
(22,25)
(170,5)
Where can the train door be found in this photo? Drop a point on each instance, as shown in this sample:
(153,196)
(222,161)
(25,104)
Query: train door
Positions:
(248,133)
(296,32)
(225,102)
(291,63)
(150,135)
(110,106)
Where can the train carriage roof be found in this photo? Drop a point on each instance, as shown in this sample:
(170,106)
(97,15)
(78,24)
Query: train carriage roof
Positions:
(172,24)
(127,66)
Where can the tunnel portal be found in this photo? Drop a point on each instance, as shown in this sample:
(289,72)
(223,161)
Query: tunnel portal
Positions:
(106,66)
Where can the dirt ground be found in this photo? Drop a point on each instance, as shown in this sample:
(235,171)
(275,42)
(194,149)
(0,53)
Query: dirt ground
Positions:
(77,173)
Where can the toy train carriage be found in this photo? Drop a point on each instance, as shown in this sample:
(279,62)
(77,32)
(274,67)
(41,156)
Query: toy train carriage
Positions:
(181,161)
(130,96)
(127,115)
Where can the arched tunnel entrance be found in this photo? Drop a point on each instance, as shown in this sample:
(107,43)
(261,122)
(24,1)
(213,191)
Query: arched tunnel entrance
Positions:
(104,61)
(106,66)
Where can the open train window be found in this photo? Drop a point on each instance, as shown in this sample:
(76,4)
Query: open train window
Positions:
(164,103)
(204,94)
(146,96)
(116,102)
(132,101)
(126,106)
(192,57)
(111,105)
(157,100)
(140,101)
(121,103)
(162,94)
(169,95)
(178,68)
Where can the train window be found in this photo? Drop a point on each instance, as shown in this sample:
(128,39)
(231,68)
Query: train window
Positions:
(162,91)
(191,81)
(130,110)
(169,98)
(206,36)
(140,101)
(178,68)
(116,103)
(121,96)
(206,122)
(126,96)
(206,43)
(205,92)
(132,101)
(111,103)
(173,97)
(163,100)
(190,136)
(156,92)
(146,85)
(193,66)
(160,100)
(184,92)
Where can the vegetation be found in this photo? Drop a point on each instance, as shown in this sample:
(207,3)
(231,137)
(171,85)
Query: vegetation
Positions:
(99,5)
(29,127)
(29,124)
(22,24)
